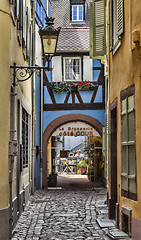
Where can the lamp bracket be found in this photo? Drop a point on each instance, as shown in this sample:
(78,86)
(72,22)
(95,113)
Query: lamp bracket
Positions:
(23,73)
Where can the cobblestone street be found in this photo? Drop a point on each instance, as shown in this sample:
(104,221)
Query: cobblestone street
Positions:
(64,213)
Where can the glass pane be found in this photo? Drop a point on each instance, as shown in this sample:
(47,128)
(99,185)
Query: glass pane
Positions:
(124,159)
(132,186)
(124,105)
(131,126)
(124,183)
(72,69)
(132,164)
(80,12)
(124,129)
(131,102)
(74,13)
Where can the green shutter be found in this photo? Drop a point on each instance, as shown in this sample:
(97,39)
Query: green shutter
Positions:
(99,28)
(91,28)
(111,25)
(120,14)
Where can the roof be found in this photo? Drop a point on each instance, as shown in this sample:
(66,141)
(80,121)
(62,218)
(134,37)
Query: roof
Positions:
(73,39)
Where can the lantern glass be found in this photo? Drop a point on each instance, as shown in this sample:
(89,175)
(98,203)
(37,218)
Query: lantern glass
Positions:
(49,44)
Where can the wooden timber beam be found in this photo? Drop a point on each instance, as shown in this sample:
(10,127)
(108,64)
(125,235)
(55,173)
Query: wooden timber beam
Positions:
(47,84)
(73,106)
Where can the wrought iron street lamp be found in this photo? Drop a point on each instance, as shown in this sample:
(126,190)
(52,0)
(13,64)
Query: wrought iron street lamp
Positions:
(49,37)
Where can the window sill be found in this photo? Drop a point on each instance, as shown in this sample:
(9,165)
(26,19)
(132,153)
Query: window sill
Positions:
(77,22)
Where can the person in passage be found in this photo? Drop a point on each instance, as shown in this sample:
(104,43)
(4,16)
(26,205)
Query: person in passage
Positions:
(79,154)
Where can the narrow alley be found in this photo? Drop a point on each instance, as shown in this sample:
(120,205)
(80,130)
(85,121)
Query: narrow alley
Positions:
(70,119)
(70,212)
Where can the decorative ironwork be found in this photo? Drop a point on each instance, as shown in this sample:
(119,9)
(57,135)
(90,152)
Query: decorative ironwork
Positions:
(23,73)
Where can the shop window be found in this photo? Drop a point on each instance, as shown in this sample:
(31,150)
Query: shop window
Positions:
(25,138)
(72,69)
(128,174)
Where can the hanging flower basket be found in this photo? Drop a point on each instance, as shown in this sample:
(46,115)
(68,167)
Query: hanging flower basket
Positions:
(60,87)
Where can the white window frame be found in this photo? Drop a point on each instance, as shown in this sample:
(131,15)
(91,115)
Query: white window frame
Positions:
(77,20)
(80,73)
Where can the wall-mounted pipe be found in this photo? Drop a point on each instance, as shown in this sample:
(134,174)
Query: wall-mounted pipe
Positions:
(41,128)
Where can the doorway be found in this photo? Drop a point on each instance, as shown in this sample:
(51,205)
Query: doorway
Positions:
(113,163)
(75,159)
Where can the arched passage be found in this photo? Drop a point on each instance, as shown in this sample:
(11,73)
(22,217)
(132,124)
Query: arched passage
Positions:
(57,123)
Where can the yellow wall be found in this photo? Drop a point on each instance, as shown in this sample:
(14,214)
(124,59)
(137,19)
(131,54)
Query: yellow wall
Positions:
(4,101)
(10,52)
(124,71)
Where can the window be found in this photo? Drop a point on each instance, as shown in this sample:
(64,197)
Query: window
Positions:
(25,137)
(116,24)
(72,69)
(128,174)
(77,13)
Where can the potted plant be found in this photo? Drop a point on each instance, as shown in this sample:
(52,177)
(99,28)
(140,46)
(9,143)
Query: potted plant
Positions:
(90,173)
(82,165)
(52,180)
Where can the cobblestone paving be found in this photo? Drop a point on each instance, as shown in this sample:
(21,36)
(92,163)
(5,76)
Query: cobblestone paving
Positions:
(64,215)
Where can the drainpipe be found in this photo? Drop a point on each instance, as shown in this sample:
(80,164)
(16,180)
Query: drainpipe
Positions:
(12,151)
(47,8)
(41,128)
(33,100)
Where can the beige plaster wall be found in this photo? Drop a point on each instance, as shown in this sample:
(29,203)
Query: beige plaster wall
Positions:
(10,52)
(4,101)
(124,71)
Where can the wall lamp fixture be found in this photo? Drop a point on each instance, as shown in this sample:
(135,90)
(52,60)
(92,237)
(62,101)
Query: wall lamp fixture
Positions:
(49,38)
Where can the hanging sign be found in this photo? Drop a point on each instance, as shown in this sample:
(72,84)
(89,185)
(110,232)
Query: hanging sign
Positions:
(75,129)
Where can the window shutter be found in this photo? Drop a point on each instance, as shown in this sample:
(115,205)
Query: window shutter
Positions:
(13,8)
(99,28)
(91,29)
(111,25)
(24,24)
(19,20)
(18,8)
(28,33)
(120,17)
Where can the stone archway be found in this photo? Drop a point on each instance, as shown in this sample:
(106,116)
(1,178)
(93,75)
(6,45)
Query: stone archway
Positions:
(57,123)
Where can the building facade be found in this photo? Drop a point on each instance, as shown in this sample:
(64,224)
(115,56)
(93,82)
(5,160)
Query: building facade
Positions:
(18,25)
(122,120)
(124,115)
(74,90)
(16,114)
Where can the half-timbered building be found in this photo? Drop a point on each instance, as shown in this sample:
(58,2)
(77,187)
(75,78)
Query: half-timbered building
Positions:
(74,90)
